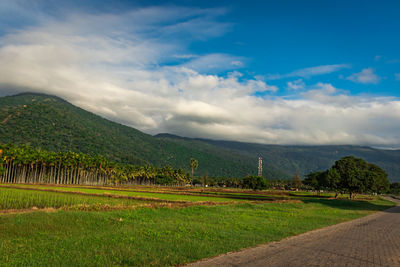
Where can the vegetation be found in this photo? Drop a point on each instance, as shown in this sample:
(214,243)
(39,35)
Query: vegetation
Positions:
(23,164)
(254,182)
(395,188)
(281,161)
(351,175)
(167,196)
(11,198)
(193,165)
(52,124)
(296,181)
(161,237)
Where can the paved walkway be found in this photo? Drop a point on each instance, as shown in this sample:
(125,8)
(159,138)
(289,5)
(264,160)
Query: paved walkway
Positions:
(373,240)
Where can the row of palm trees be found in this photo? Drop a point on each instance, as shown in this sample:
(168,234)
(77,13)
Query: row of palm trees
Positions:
(24,164)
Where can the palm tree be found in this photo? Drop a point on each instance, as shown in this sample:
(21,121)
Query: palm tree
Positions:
(23,164)
(193,165)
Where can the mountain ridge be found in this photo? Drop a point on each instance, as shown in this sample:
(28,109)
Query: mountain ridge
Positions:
(54,124)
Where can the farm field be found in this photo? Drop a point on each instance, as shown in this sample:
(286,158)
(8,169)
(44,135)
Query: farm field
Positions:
(166,196)
(156,236)
(178,194)
(17,199)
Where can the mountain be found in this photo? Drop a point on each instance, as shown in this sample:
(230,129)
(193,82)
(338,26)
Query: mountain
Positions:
(287,160)
(51,123)
(54,124)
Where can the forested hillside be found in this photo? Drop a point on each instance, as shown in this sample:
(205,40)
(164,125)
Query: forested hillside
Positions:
(51,123)
(302,159)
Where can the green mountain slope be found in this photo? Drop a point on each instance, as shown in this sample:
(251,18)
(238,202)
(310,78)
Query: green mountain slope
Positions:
(281,161)
(306,159)
(51,123)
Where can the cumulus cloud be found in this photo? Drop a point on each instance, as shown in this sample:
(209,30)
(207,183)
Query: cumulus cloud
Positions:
(366,76)
(309,72)
(119,66)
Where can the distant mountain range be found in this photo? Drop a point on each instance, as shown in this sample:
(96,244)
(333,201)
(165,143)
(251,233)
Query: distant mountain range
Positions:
(54,124)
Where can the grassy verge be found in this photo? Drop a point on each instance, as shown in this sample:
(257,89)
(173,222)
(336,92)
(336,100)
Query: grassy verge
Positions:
(162,236)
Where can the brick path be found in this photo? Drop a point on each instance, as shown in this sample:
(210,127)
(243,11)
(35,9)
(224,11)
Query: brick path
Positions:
(373,240)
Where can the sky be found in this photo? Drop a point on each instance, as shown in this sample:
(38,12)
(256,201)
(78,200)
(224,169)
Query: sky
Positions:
(273,72)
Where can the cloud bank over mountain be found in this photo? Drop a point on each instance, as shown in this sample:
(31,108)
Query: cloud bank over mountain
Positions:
(136,67)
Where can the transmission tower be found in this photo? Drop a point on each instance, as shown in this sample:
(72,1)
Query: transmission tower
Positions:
(259,166)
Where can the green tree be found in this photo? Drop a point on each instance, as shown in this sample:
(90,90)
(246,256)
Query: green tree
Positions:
(331,180)
(376,179)
(254,182)
(352,175)
(193,165)
(23,164)
(395,188)
(318,180)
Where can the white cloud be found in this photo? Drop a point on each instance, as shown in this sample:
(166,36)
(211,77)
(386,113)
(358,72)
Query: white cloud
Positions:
(296,84)
(397,76)
(237,63)
(309,72)
(366,76)
(185,56)
(212,63)
(113,65)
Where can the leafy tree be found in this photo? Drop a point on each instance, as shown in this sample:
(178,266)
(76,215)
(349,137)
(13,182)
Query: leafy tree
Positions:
(331,180)
(317,180)
(395,188)
(351,171)
(352,175)
(312,180)
(254,182)
(376,179)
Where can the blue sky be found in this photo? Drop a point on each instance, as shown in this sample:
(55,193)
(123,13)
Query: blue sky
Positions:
(285,72)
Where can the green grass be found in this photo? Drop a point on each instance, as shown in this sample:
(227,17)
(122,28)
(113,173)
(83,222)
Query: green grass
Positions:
(163,196)
(163,236)
(24,199)
(190,195)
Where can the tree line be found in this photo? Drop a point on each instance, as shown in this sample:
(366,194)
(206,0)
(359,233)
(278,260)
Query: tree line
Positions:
(24,164)
(350,175)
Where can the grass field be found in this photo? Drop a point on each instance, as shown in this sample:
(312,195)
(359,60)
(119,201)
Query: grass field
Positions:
(178,194)
(17,199)
(161,236)
(171,196)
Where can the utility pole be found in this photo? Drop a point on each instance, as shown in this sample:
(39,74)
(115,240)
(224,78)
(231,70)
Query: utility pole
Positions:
(259,166)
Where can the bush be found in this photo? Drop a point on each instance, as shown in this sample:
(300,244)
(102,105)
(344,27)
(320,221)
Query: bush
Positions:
(254,182)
